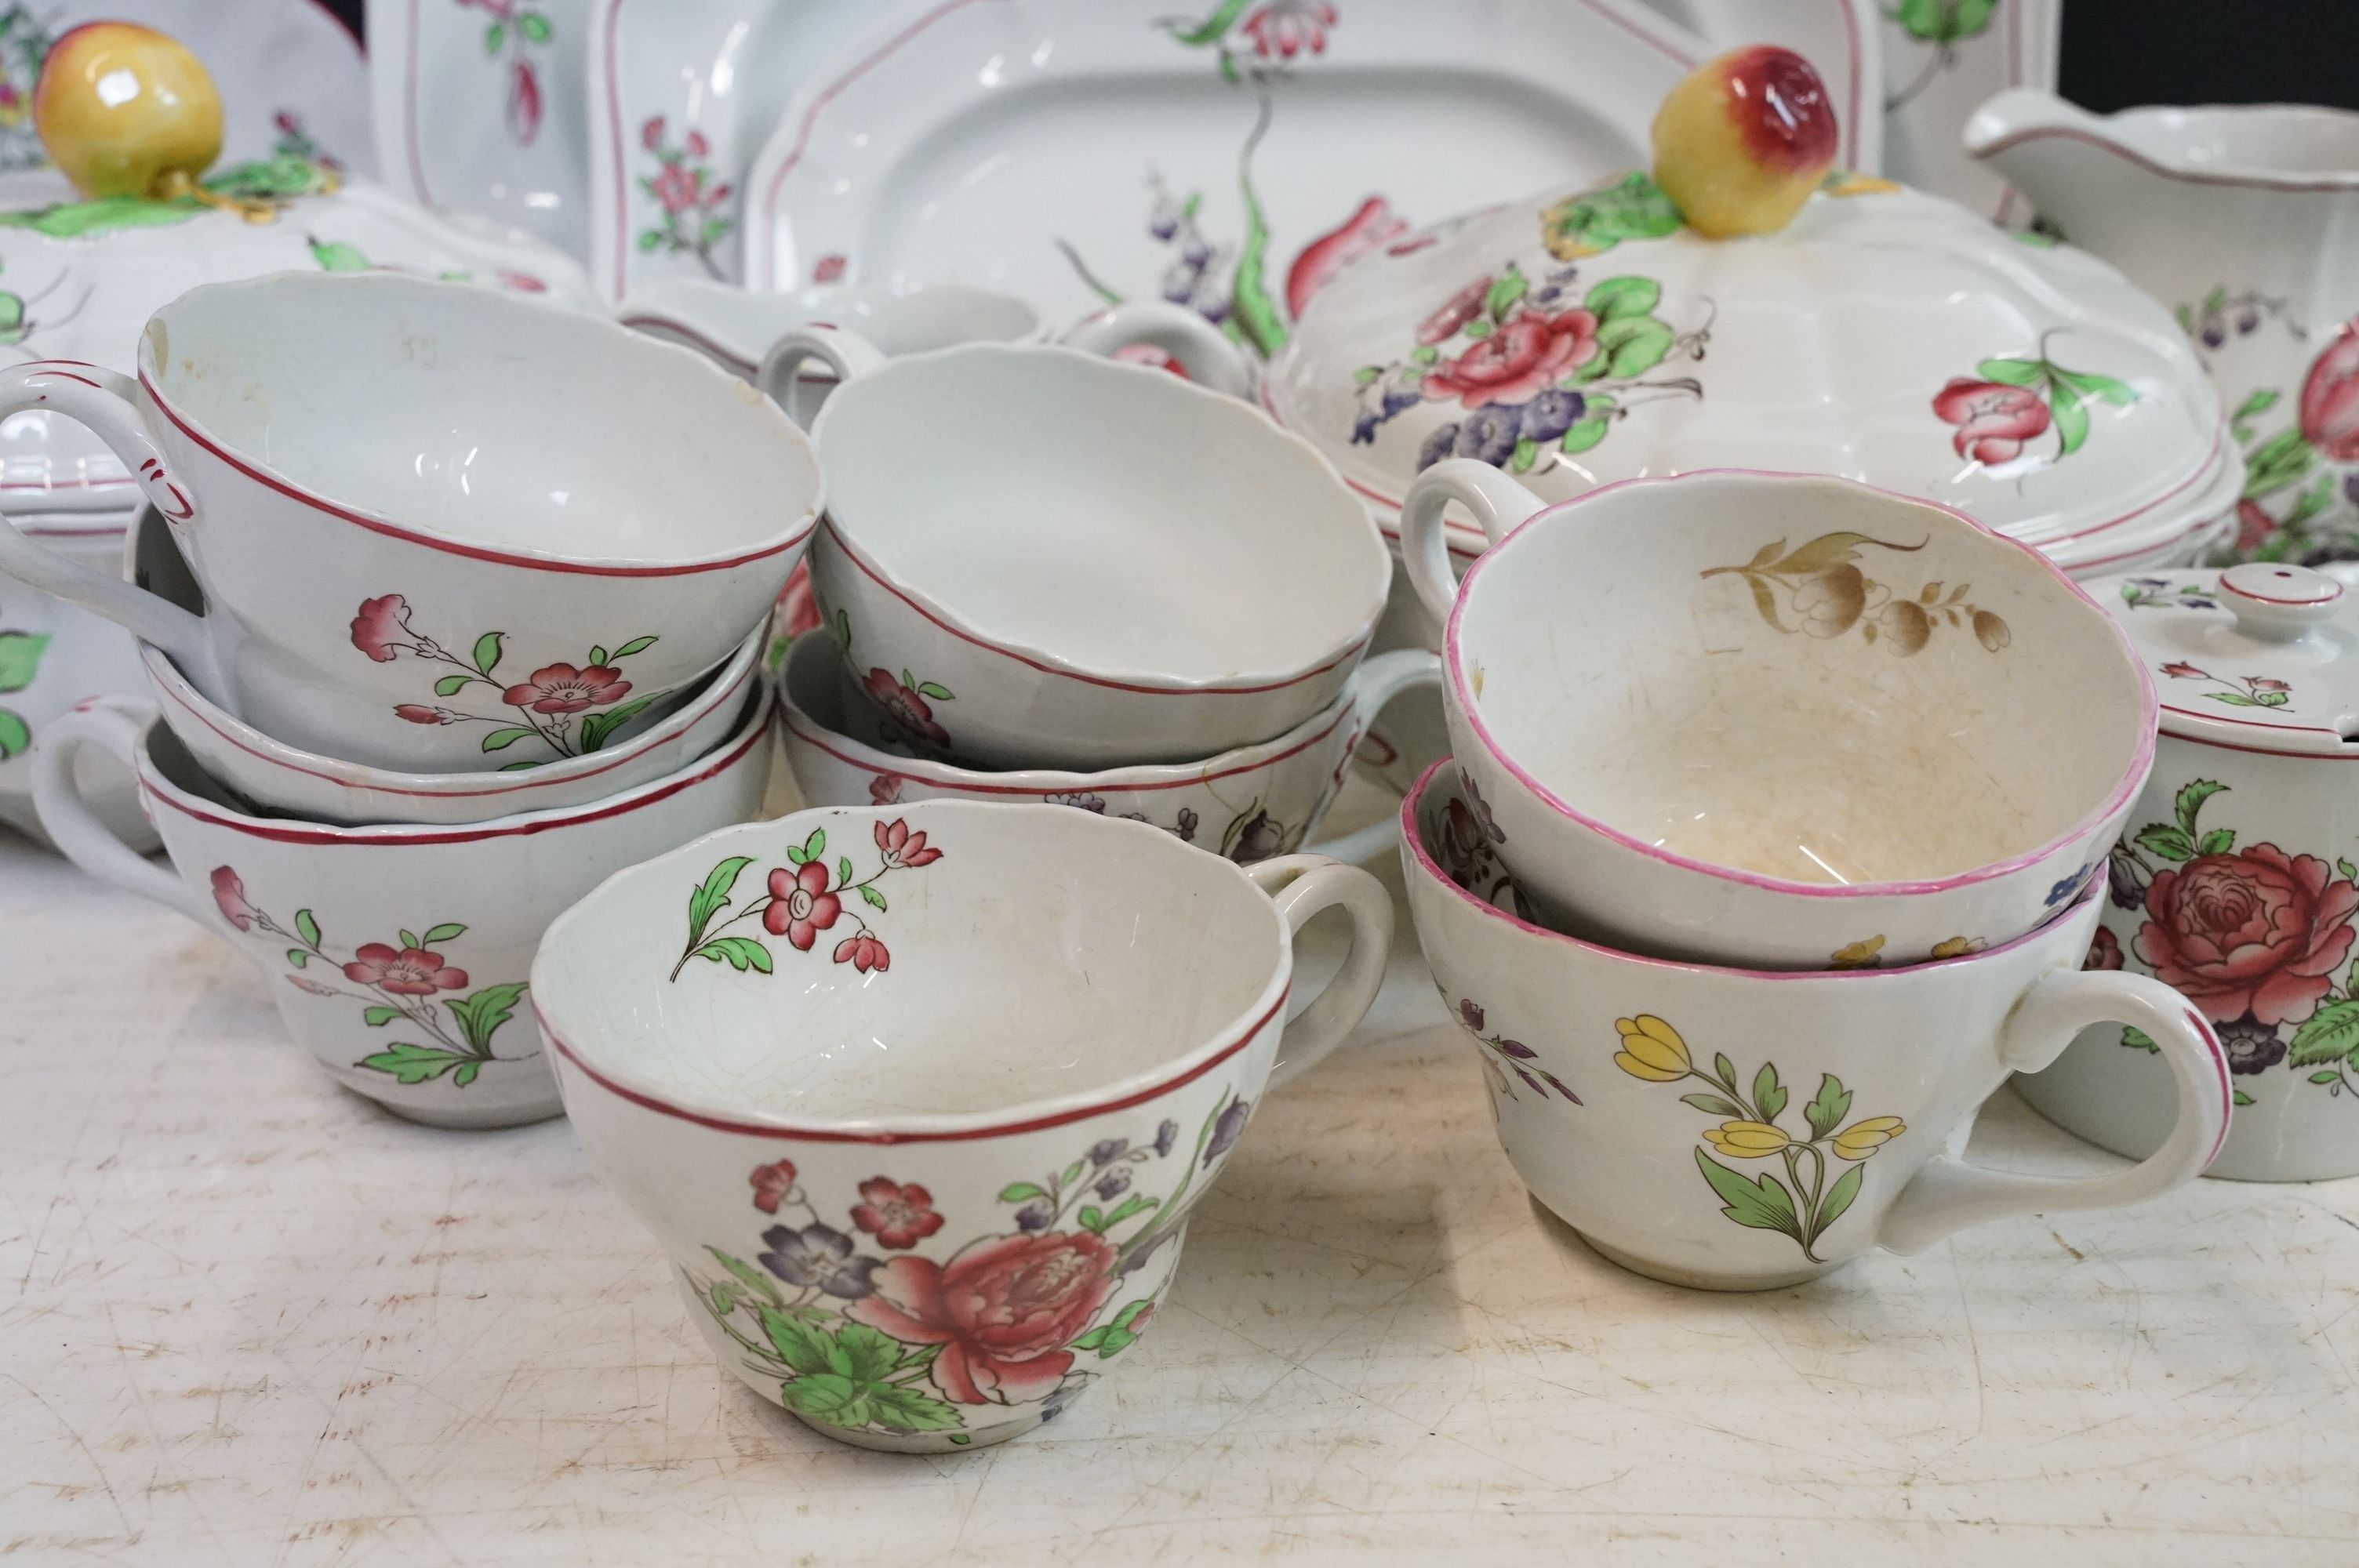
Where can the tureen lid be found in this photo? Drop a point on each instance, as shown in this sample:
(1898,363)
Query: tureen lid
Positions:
(2264,656)
(1884,335)
(79,279)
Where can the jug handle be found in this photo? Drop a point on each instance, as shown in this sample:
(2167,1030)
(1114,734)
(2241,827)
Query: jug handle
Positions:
(1500,506)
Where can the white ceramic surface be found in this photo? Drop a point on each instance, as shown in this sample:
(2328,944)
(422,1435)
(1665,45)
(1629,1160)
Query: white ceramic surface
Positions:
(1249,804)
(948,1171)
(1941,60)
(1778,720)
(1081,152)
(1822,1115)
(53,656)
(2236,881)
(2243,220)
(403,950)
(1838,38)
(1095,565)
(738,330)
(596,519)
(479,107)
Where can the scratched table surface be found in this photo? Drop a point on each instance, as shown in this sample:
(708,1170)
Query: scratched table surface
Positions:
(246,1318)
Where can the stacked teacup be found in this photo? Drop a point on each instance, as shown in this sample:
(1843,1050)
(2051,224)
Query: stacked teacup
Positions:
(452,605)
(1048,576)
(1771,846)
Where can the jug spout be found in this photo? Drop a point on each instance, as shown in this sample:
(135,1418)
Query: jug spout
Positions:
(2063,158)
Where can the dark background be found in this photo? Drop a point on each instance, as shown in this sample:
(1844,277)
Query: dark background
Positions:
(2120,52)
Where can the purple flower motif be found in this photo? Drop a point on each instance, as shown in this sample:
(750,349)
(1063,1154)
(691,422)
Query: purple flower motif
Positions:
(1470,1013)
(1081,800)
(1034,1216)
(1489,434)
(1225,1127)
(1106,1151)
(2067,886)
(1258,839)
(817,1256)
(1187,831)
(1519,1050)
(1438,445)
(1363,428)
(1552,414)
(1111,1184)
(2126,884)
(2251,1046)
(1165,1136)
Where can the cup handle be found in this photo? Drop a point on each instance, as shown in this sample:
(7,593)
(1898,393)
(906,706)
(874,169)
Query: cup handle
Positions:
(1303,886)
(1200,348)
(1379,680)
(112,725)
(841,350)
(1498,503)
(1948,1195)
(105,400)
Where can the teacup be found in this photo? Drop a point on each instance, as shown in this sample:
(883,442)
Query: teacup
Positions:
(1249,804)
(404,950)
(1063,561)
(439,528)
(1742,1130)
(272,776)
(53,656)
(918,1099)
(1778,720)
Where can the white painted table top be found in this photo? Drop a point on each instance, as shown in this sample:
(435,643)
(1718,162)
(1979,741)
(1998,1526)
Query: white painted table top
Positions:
(245,1318)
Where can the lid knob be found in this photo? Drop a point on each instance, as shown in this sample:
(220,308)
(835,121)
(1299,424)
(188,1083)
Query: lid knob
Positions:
(125,111)
(2278,603)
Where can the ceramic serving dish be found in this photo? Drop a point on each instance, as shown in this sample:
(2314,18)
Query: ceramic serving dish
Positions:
(1838,37)
(543,521)
(2242,219)
(918,1099)
(2238,880)
(1785,721)
(1248,804)
(1743,1130)
(397,955)
(1094,565)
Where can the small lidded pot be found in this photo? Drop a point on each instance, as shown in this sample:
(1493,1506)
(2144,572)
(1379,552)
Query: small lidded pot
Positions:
(2236,880)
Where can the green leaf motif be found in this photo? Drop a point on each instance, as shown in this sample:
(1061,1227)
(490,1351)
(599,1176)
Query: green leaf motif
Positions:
(597,729)
(1019,1192)
(534,26)
(494,37)
(377,1017)
(20,658)
(1838,1198)
(2138,1039)
(2331,1075)
(1723,1067)
(1093,1219)
(2219,841)
(336,256)
(449,686)
(1526,453)
(501,740)
(488,651)
(1583,435)
(828,1397)
(306,927)
(2328,1034)
(910,1409)
(712,895)
(1135,1204)
(802,1345)
(2013,372)
(1632,208)
(71,219)
(480,1013)
(1826,1112)
(741,953)
(864,1354)
(1634,345)
(1506,293)
(636,645)
(1762,1205)
(816,845)
(2279,462)
(755,1280)
(2350,872)
(842,868)
(2170,843)
(1619,297)
(15,735)
(2071,418)
(873,899)
(1769,1094)
(1712,1105)
(2190,801)
(414,1065)
(2104,388)
(2239,1096)
(296,957)
(447,932)
(934,689)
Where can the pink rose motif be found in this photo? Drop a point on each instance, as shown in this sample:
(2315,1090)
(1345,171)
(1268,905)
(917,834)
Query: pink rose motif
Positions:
(2181,671)
(418,713)
(2254,526)
(772,1183)
(2255,931)
(902,847)
(1285,28)
(382,628)
(411,971)
(1459,311)
(2330,397)
(679,188)
(2260,684)
(562,688)
(800,906)
(828,268)
(228,897)
(1371,226)
(524,103)
(1993,419)
(798,603)
(697,145)
(863,953)
(899,1216)
(2105,951)
(651,134)
(905,708)
(1527,352)
(1002,1309)
(885,789)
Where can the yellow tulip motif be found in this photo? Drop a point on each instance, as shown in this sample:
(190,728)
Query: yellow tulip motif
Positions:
(1652,1050)
(1746,1140)
(1864,1137)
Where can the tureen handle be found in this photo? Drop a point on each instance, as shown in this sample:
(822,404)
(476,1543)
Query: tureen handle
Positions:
(114,725)
(108,403)
(1948,1194)
(1500,505)
(843,352)
(1201,348)
(1303,886)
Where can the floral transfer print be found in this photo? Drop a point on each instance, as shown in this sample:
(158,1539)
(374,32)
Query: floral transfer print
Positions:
(1468,838)
(257,192)
(2300,490)
(909,1342)
(1942,25)
(801,900)
(394,984)
(903,703)
(24,40)
(1820,585)
(1502,1057)
(2009,403)
(545,703)
(2236,691)
(690,213)
(20,661)
(1652,1050)
(516,36)
(2256,939)
(2154,592)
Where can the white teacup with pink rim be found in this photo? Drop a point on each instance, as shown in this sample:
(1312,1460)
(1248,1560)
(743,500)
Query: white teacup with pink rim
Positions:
(1782,720)
(397,956)
(917,1098)
(439,528)
(1740,1129)
(1062,561)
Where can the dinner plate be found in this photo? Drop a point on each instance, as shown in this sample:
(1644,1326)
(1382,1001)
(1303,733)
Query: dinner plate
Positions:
(682,94)
(1838,38)
(291,79)
(1077,153)
(479,107)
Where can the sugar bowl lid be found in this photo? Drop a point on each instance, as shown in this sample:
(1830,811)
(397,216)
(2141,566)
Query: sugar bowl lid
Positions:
(1885,335)
(2264,656)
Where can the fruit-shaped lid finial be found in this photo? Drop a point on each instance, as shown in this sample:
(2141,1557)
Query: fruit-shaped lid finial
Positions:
(124,111)
(1743,140)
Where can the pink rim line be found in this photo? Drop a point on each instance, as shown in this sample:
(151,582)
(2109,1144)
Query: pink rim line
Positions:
(376,525)
(2202,1026)
(647,320)
(2018,73)
(154,787)
(620,287)
(2124,792)
(2227,587)
(2247,181)
(828,94)
(651,1100)
(516,785)
(939,624)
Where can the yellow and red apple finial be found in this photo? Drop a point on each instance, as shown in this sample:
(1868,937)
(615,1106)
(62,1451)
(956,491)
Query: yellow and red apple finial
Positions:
(1741,142)
(126,110)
